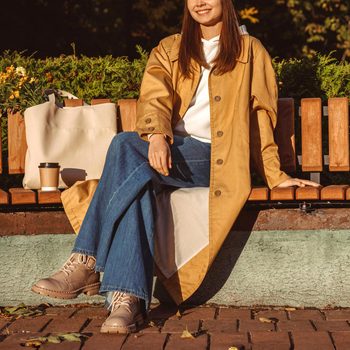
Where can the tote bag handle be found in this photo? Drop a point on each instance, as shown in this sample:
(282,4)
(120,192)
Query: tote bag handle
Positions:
(52,93)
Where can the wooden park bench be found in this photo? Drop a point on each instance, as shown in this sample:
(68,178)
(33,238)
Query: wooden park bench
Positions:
(313,158)
(289,253)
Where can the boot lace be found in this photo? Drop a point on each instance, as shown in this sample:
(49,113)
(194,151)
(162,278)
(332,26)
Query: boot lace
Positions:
(72,262)
(122,299)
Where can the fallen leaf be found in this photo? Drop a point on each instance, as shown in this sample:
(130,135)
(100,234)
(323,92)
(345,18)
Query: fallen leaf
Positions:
(72,336)
(152,324)
(178,313)
(290,308)
(232,348)
(35,342)
(54,339)
(12,309)
(22,310)
(268,320)
(186,334)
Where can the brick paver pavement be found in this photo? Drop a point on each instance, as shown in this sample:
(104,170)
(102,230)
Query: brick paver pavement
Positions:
(211,328)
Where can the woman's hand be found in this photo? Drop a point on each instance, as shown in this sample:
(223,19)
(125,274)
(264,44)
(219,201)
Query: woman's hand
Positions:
(297,182)
(159,154)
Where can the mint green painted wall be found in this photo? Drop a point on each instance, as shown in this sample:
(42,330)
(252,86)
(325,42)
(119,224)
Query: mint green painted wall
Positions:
(295,268)
(279,268)
(25,259)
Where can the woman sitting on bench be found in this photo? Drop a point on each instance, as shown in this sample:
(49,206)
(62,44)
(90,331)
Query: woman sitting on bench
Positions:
(207,107)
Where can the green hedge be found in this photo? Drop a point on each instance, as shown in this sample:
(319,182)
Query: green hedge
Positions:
(319,76)
(23,78)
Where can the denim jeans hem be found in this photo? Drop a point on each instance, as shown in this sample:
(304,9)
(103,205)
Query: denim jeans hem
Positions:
(84,251)
(109,288)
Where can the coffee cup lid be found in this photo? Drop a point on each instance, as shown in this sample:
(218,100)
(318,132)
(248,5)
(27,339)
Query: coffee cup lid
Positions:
(49,165)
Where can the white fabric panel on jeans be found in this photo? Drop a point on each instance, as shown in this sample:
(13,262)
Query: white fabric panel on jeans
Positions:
(181,232)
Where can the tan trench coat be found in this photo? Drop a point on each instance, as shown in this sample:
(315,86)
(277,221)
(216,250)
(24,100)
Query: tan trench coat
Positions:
(243,106)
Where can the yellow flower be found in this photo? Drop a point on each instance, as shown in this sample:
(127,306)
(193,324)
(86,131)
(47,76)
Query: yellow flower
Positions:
(21,71)
(49,76)
(14,95)
(22,81)
(10,69)
(3,78)
(32,80)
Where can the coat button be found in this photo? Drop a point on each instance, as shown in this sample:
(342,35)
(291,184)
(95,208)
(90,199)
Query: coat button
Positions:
(217,98)
(219,161)
(220,133)
(151,128)
(148,120)
(217,193)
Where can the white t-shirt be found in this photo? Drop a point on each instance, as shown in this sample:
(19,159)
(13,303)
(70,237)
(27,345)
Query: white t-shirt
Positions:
(196,121)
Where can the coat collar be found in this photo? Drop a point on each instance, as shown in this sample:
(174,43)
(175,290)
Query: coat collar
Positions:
(243,57)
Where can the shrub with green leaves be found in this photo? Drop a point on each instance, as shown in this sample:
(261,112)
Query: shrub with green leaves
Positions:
(23,79)
(320,76)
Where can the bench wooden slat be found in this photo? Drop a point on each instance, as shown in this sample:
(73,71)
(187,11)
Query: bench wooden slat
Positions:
(4,197)
(49,197)
(311,134)
(307,193)
(334,192)
(348,194)
(17,144)
(259,194)
(127,113)
(285,134)
(282,194)
(0,146)
(338,129)
(22,196)
(98,101)
(73,102)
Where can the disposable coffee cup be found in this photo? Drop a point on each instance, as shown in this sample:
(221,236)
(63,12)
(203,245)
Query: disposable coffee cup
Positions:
(49,175)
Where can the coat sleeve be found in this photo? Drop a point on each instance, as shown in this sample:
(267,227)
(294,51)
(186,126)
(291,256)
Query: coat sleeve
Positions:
(155,104)
(264,95)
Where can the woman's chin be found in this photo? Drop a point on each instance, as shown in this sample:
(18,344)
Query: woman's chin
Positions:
(207,22)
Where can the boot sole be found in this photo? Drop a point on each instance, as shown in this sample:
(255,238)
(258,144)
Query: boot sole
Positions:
(139,321)
(91,289)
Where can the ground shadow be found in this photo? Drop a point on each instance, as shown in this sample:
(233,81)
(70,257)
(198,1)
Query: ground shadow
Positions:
(223,264)
(71,175)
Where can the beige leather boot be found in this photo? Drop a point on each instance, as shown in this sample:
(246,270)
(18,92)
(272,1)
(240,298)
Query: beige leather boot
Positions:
(76,276)
(126,314)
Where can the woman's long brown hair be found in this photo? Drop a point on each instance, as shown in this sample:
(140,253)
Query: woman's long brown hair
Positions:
(191,46)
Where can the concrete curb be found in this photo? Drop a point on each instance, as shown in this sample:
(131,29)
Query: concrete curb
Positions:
(280,268)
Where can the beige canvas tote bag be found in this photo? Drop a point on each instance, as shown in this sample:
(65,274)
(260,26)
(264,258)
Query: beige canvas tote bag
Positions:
(75,137)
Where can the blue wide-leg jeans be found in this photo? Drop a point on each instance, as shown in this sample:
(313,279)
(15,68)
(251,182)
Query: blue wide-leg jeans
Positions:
(118,229)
